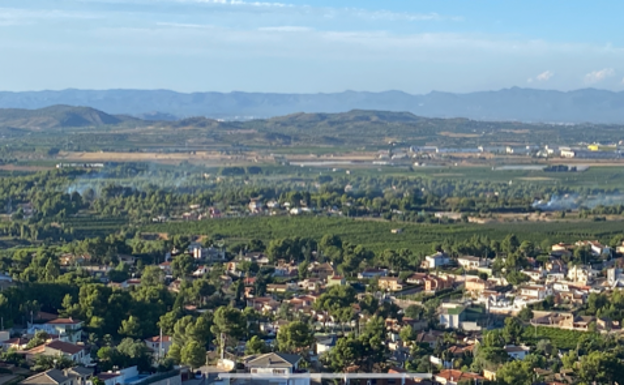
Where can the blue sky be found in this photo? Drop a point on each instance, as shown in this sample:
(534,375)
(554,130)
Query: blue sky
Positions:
(311,46)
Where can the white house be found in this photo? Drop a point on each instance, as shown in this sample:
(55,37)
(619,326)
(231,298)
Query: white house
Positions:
(273,363)
(436,260)
(159,345)
(517,352)
(471,263)
(535,292)
(68,329)
(582,274)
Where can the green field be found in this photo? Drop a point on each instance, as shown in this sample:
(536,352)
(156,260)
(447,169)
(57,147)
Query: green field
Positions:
(376,235)
(563,339)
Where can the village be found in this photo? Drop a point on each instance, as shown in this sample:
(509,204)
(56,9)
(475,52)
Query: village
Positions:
(443,312)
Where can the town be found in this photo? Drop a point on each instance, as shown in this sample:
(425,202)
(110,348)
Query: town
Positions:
(515,310)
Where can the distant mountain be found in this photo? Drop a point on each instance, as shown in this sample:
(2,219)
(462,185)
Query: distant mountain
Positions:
(58,116)
(527,105)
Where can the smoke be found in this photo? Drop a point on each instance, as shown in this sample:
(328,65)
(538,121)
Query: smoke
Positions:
(575,202)
(147,175)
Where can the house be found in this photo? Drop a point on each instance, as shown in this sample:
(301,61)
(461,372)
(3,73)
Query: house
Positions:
(517,352)
(321,270)
(471,263)
(390,284)
(582,274)
(556,266)
(325,343)
(336,280)
(159,344)
(596,248)
(535,275)
(74,376)
(430,338)
(209,254)
(273,363)
(436,260)
(434,283)
(476,285)
(372,273)
(281,288)
(67,329)
(75,353)
(310,284)
(200,271)
(255,206)
(166,267)
(118,377)
(17,343)
(416,279)
(454,377)
(452,316)
(535,292)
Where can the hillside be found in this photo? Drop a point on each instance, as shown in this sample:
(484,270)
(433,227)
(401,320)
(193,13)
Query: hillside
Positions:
(57,117)
(513,104)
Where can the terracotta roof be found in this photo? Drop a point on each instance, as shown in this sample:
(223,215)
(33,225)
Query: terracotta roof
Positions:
(458,375)
(157,339)
(64,321)
(65,347)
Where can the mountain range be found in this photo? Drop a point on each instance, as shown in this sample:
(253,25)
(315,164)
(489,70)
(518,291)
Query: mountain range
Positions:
(514,104)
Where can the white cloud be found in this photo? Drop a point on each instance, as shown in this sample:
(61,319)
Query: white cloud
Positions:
(543,77)
(598,76)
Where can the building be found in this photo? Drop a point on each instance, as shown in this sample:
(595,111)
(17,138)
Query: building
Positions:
(434,283)
(76,353)
(74,376)
(416,279)
(471,263)
(159,345)
(336,280)
(273,363)
(372,273)
(390,284)
(535,292)
(476,285)
(321,270)
(67,329)
(452,316)
(454,377)
(582,274)
(436,260)
(517,352)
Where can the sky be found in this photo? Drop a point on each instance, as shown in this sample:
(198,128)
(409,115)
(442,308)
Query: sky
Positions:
(310,46)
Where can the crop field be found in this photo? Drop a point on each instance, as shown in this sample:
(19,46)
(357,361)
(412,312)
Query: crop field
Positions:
(377,236)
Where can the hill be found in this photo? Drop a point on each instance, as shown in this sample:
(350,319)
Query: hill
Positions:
(513,104)
(57,117)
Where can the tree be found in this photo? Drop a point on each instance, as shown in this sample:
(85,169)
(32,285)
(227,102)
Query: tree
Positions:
(514,373)
(152,276)
(601,367)
(415,312)
(347,352)
(407,334)
(182,265)
(230,322)
(512,332)
(131,328)
(193,354)
(255,345)
(526,314)
(294,337)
